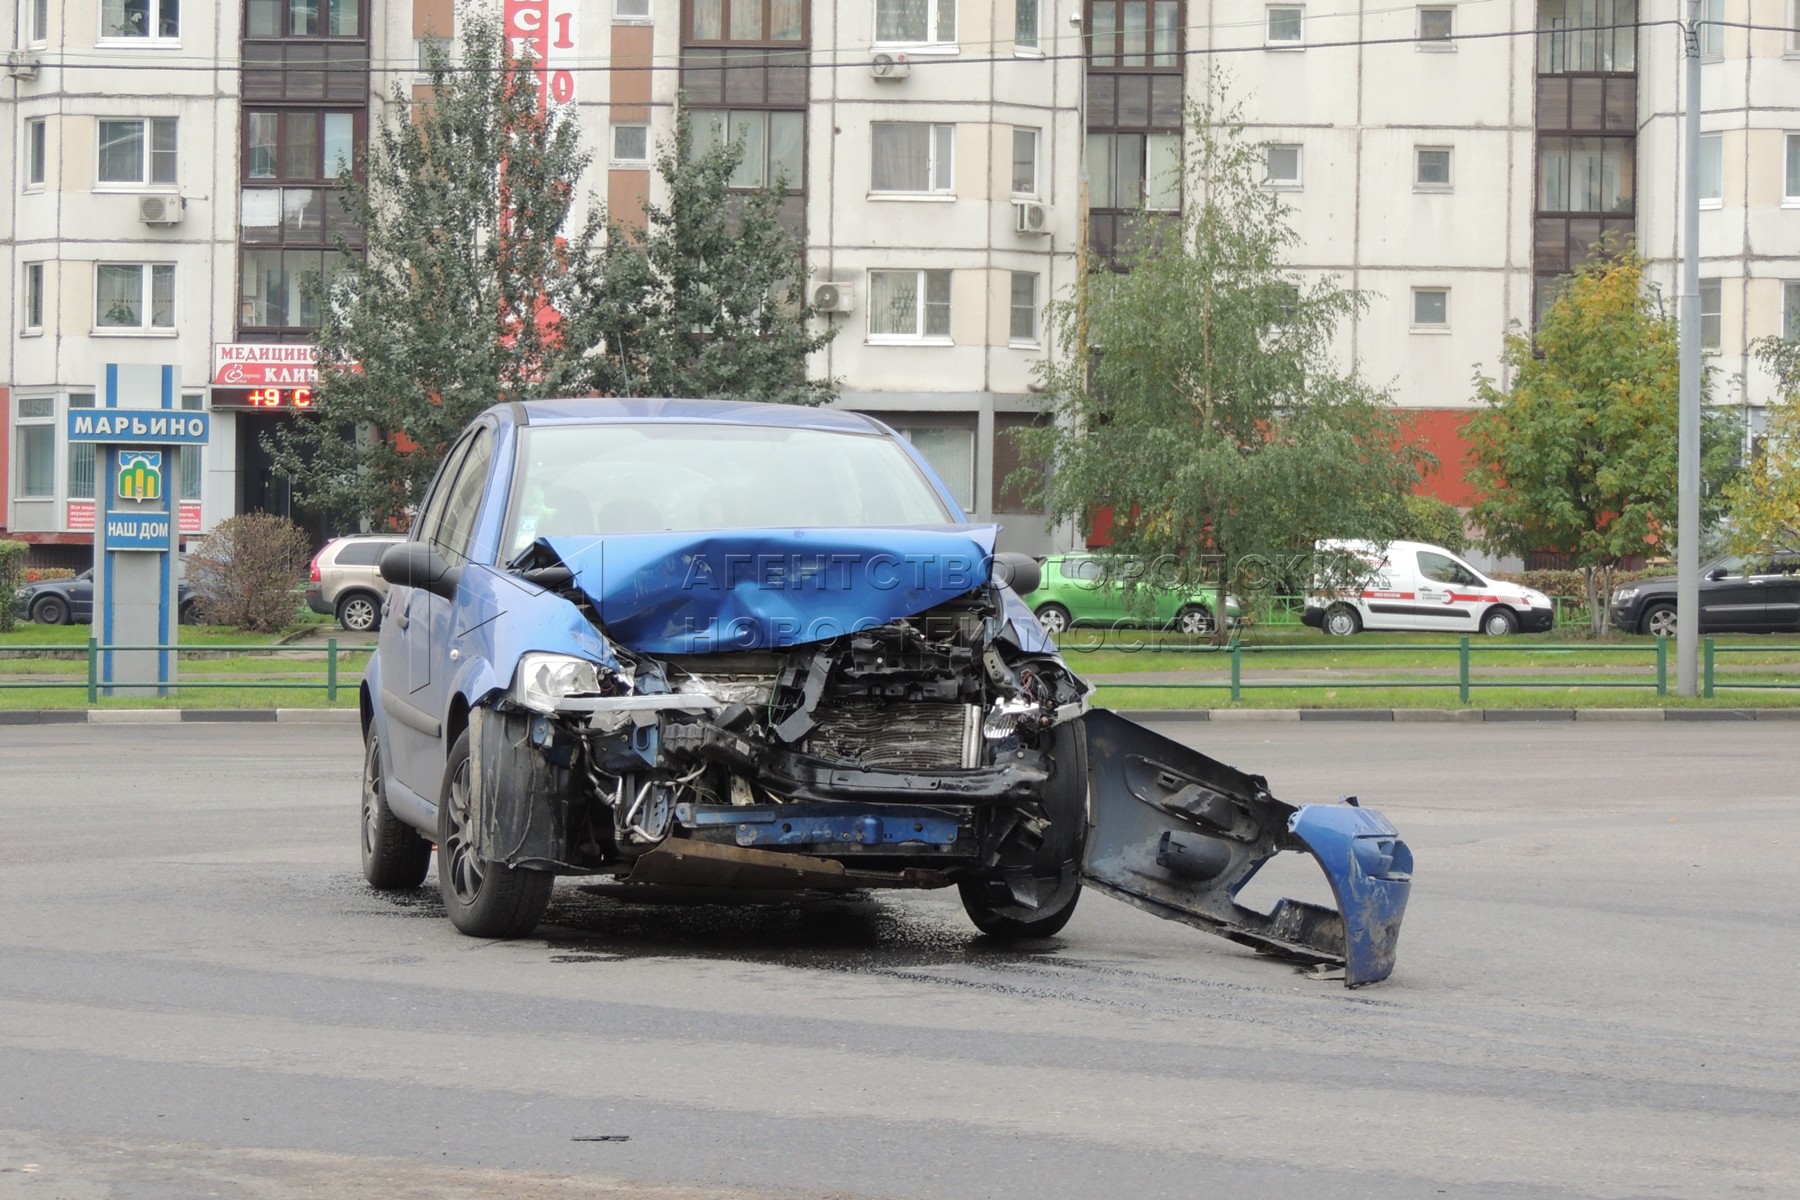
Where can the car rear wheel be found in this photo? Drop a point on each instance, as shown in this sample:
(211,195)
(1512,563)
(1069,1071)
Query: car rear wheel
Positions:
(394,856)
(1054,619)
(1032,892)
(483,899)
(1342,621)
(1659,621)
(359,612)
(51,610)
(1193,620)
(1499,622)
(190,613)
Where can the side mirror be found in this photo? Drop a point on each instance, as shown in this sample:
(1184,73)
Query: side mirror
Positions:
(420,565)
(1716,574)
(1020,572)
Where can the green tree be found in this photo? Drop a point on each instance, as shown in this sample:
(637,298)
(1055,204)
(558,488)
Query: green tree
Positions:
(1578,456)
(708,298)
(1428,519)
(1764,500)
(465,202)
(12,578)
(1209,413)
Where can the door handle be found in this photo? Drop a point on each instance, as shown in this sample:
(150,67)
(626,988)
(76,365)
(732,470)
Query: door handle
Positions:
(405,617)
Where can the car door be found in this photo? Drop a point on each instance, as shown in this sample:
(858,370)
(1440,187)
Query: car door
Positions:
(81,597)
(1732,597)
(1447,595)
(1781,601)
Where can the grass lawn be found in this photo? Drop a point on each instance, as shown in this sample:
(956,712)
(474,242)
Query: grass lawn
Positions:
(1435,697)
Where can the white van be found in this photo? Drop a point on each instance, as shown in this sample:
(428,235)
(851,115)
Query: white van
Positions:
(1412,585)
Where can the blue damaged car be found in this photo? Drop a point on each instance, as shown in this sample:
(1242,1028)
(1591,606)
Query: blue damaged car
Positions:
(753,646)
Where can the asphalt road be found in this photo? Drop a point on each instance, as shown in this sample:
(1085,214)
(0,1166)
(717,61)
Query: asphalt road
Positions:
(1596,997)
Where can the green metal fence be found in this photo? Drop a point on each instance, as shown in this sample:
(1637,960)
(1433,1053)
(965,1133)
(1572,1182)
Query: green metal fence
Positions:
(335,677)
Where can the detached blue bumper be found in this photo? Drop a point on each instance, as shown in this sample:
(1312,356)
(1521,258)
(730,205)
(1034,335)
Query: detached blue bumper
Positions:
(1370,871)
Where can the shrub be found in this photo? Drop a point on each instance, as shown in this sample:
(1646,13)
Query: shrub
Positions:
(1436,522)
(245,571)
(39,574)
(12,576)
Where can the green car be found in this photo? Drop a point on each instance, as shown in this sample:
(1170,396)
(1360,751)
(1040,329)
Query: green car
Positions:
(1074,590)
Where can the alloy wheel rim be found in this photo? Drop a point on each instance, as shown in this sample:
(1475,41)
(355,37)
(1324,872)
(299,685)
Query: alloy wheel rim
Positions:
(370,793)
(1052,621)
(359,614)
(465,865)
(1662,624)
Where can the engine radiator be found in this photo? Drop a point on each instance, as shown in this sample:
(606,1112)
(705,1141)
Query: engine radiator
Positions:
(904,736)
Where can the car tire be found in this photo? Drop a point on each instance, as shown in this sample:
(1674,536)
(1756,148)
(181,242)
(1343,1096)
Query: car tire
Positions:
(1193,620)
(1342,621)
(1053,869)
(51,610)
(1054,619)
(359,612)
(190,613)
(1499,621)
(482,899)
(394,856)
(1659,620)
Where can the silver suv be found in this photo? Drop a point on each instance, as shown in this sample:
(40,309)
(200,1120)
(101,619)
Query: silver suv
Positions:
(346,580)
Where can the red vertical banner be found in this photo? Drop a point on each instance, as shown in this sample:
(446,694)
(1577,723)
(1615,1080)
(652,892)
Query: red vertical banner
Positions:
(543,31)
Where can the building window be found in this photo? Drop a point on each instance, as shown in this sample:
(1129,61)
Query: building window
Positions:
(1282,166)
(35,442)
(909,306)
(140,18)
(1134,170)
(1024,329)
(910,156)
(1585,174)
(950,449)
(301,18)
(137,153)
(1711,165)
(1580,36)
(282,289)
(191,456)
(1712,28)
(1431,169)
(631,144)
(1286,25)
(631,10)
(1135,34)
(300,145)
(34,298)
(755,21)
(134,296)
(36,147)
(1711,302)
(1025,162)
(80,483)
(1790,188)
(40,22)
(1431,308)
(774,144)
(1790,311)
(1437,28)
(915,22)
(1025,24)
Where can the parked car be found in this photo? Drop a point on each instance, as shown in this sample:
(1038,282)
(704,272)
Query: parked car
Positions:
(1759,594)
(345,580)
(1415,585)
(1076,590)
(757,646)
(71,601)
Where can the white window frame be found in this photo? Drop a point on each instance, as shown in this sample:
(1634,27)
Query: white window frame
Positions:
(422,73)
(1790,309)
(146,301)
(20,424)
(1422,185)
(1439,44)
(1298,41)
(934,40)
(621,17)
(1790,167)
(911,429)
(147,127)
(1717,314)
(919,337)
(1712,146)
(1035,340)
(1793,38)
(152,20)
(1419,326)
(38,127)
(31,294)
(1712,30)
(1035,47)
(38,12)
(1037,151)
(940,176)
(623,160)
(1285,184)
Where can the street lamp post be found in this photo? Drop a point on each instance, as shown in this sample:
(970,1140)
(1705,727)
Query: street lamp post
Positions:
(1687,532)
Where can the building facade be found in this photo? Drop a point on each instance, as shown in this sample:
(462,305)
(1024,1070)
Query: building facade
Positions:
(173,178)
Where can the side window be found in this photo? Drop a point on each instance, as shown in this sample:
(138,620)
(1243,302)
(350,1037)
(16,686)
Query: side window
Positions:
(457,528)
(1085,569)
(1440,568)
(431,512)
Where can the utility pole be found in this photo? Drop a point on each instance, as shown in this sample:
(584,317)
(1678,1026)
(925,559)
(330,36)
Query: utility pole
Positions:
(1687,530)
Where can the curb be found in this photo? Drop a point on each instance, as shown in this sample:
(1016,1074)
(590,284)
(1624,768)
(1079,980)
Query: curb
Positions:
(183,716)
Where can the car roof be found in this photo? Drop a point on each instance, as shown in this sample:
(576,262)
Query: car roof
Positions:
(605,410)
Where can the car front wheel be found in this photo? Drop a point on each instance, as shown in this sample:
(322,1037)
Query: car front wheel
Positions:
(1499,622)
(1193,620)
(483,899)
(51,610)
(394,856)
(1031,893)
(1660,620)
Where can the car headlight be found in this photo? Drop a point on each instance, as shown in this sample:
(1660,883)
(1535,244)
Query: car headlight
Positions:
(1625,595)
(545,680)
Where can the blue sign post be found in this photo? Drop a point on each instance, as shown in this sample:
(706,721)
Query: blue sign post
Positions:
(138,433)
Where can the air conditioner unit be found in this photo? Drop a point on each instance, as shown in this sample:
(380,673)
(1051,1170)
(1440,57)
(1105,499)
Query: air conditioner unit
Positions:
(1031,217)
(885,64)
(160,210)
(21,64)
(832,297)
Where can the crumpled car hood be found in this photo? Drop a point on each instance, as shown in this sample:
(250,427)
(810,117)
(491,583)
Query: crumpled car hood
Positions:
(758,589)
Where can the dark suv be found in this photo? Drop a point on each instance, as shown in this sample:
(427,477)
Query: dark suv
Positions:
(1738,594)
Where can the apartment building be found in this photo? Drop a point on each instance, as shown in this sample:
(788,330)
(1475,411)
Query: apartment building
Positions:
(173,172)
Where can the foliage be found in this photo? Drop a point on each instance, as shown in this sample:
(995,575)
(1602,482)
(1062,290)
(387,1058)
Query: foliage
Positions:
(39,574)
(466,201)
(1765,499)
(245,571)
(1209,414)
(1428,519)
(708,299)
(12,577)
(1579,455)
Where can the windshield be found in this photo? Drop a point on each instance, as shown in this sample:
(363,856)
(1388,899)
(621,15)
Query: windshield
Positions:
(607,479)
